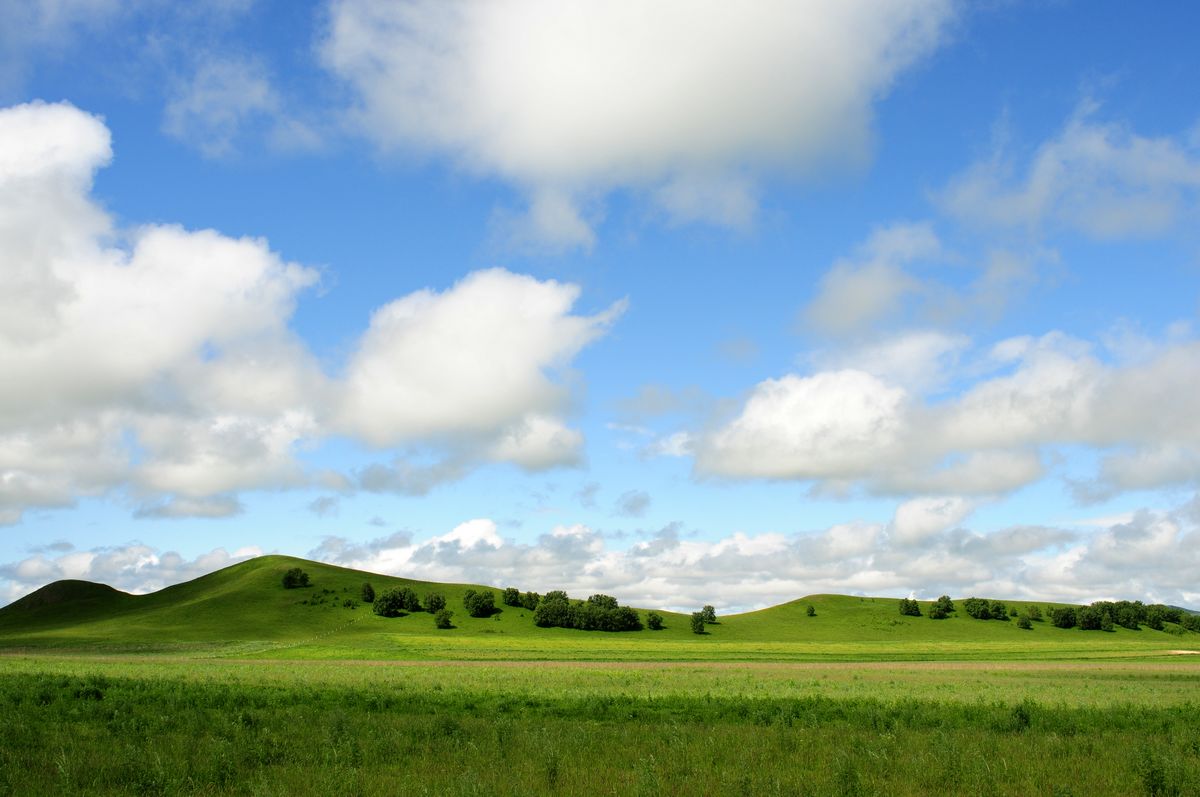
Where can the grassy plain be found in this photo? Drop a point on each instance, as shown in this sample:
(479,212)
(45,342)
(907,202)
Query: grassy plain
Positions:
(230,684)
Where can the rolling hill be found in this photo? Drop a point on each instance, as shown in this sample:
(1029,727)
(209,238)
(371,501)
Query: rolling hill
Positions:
(245,610)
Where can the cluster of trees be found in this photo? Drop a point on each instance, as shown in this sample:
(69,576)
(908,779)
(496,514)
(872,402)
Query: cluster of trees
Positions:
(295,578)
(1105,615)
(597,613)
(910,607)
(515,598)
(402,601)
(983,609)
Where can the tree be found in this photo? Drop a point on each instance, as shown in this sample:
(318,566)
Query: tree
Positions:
(389,603)
(1106,622)
(435,602)
(910,607)
(937,612)
(295,578)
(697,622)
(554,611)
(944,604)
(479,604)
(1033,612)
(441,618)
(978,608)
(368,593)
(530,600)
(1063,617)
(811,611)
(1023,622)
(512,596)
(1089,618)
(710,614)
(998,611)
(409,600)
(654,621)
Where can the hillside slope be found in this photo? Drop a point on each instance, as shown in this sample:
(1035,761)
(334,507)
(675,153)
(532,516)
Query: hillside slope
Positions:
(245,609)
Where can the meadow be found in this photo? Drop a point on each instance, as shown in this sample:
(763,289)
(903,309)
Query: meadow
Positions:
(182,695)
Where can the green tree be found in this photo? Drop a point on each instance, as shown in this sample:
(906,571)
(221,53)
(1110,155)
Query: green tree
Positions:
(998,611)
(295,578)
(368,593)
(389,603)
(978,608)
(811,611)
(910,607)
(512,596)
(442,617)
(530,600)
(409,600)
(479,604)
(654,621)
(435,602)
(1063,617)
(944,604)
(710,614)
(1023,622)
(1033,612)
(698,622)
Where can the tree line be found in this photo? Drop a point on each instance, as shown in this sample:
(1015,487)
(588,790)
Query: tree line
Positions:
(1097,616)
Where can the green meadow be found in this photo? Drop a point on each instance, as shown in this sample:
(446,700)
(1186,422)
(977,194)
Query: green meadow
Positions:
(233,684)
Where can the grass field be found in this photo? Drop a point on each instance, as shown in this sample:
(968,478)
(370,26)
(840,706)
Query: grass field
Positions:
(231,684)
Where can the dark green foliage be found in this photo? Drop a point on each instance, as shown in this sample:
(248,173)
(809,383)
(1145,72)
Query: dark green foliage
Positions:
(1033,612)
(1088,618)
(1190,621)
(442,617)
(480,604)
(811,611)
(389,603)
(1012,611)
(435,602)
(1063,617)
(409,600)
(944,604)
(937,612)
(1023,622)
(512,596)
(998,611)
(909,607)
(654,621)
(597,613)
(295,578)
(368,592)
(1106,622)
(710,614)
(530,600)
(978,608)
(697,622)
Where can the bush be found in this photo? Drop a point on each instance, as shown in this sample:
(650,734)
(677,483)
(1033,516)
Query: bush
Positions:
(910,607)
(978,608)
(654,621)
(368,593)
(811,611)
(389,603)
(1088,618)
(479,604)
(945,605)
(442,617)
(1033,613)
(937,612)
(295,578)
(998,611)
(530,600)
(512,597)
(409,600)
(1023,622)
(698,622)
(435,602)
(710,614)
(1063,617)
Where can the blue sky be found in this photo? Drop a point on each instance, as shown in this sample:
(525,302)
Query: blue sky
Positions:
(682,302)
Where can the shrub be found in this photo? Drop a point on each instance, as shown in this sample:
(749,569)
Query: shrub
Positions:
(1106,622)
(368,593)
(512,596)
(1033,613)
(554,611)
(910,607)
(710,614)
(1023,622)
(811,611)
(1088,618)
(944,604)
(295,578)
(389,603)
(937,612)
(409,600)
(435,602)
(998,611)
(697,622)
(530,600)
(654,621)
(1063,617)
(978,608)
(442,617)
(479,604)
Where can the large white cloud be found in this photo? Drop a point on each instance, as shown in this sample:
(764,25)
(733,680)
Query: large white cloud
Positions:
(987,436)
(160,360)
(685,100)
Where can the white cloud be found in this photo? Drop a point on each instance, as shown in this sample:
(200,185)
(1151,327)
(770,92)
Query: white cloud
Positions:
(1103,180)
(682,101)
(844,428)
(205,390)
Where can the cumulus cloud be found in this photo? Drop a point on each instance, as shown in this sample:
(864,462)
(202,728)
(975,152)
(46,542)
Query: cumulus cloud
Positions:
(853,427)
(1097,178)
(633,503)
(204,391)
(679,101)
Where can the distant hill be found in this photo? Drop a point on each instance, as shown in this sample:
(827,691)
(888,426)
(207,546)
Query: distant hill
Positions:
(247,604)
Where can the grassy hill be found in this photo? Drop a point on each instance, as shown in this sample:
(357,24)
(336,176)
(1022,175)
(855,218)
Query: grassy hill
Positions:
(244,610)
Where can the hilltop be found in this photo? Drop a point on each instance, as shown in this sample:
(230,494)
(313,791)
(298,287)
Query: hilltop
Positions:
(245,609)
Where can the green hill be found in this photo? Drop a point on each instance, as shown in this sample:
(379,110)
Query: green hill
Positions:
(244,610)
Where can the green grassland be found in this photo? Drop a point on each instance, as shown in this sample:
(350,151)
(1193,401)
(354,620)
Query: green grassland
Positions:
(233,684)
